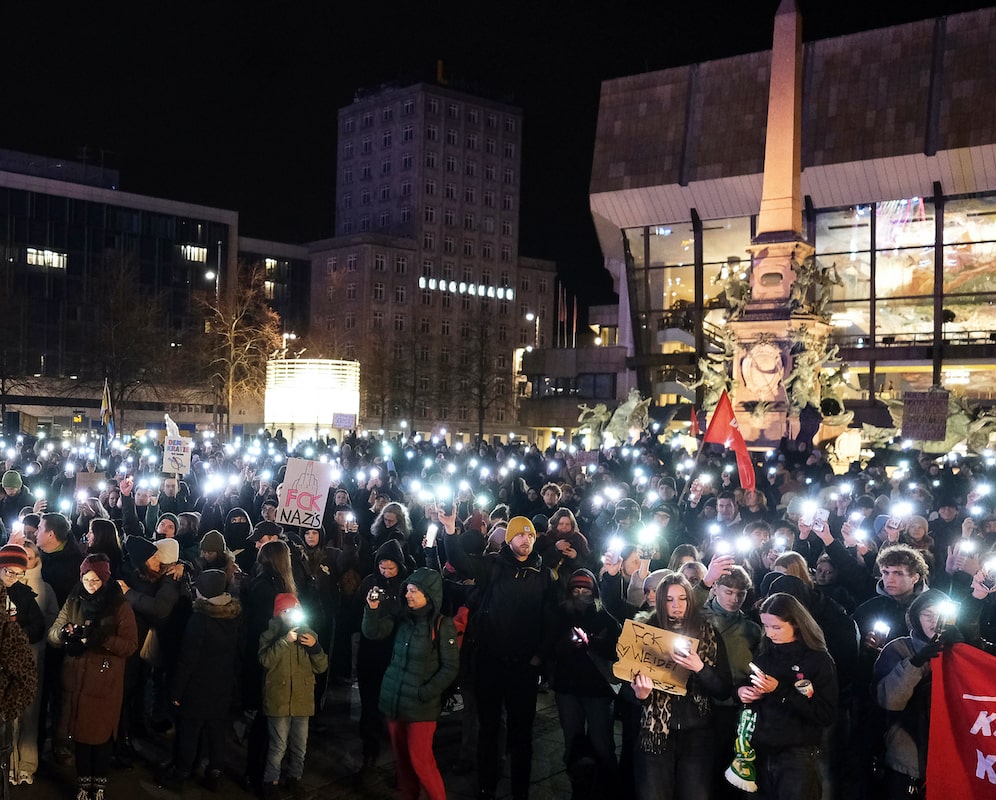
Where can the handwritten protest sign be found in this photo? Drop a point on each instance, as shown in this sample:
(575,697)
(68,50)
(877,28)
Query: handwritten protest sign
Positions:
(647,650)
(305,492)
(176,454)
(925,416)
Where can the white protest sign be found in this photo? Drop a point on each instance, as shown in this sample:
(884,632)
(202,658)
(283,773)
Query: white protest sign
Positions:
(304,493)
(176,455)
(647,650)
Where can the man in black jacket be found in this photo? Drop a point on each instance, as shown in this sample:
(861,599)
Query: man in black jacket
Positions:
(511,629)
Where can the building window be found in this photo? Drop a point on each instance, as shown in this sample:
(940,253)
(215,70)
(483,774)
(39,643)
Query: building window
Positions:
(509,125)
(451,164)
(449,216)
(428,240)
(429,215)
(503,307)
(471,169)
(347,175)
(431,133)
(408,107)
(386,139)
(366,173)
(449,245)
(385,192)
(543,286)
(399,294)
(509,150)
(506,253)
(444,356)
(469,223)
(448,270)
(347,150)
(406,188)
(380,262)
(473,116)
(406,214)
(430,159)
(470,194)
(407,160)
(433,105)
(53,259)
(347,226)
(401,265)
(190,252)
(447,300)
(508,176)
(506,227)
(488,250)
(492,120)
(452,136)
(385,167)
(465,302)
(387,114)
(427,268)
(399,322)
(378,320)
(423,325)
(349,322)
(408,133)
(430,186)
(378,291)
(347,125)
(331,265)
(468,247)
(351,262)
(367,145)
(507,203)
(502,332)
(490,172)
(453,111)
(444,327)
(368,119)
(365,197)
(426,297)
(491,147)
(488,224)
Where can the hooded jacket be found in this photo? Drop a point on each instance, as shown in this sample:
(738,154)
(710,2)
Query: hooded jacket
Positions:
(425,657)
(903,690)
(209,659)
(289,684)
(373,655)
(235,533)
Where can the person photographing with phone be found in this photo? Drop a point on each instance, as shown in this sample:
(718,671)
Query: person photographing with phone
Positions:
(291,655)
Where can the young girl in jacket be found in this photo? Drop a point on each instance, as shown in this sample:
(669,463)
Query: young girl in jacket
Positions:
(425,661)
(291,655)
(793,689)
(96,627)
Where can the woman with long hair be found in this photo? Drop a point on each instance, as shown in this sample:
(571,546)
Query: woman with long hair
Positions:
(792,563)
(96,628)
(793,691)
(391,523)
(676,747)
(102,537)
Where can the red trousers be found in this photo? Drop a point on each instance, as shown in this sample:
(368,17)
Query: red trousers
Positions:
(412,745)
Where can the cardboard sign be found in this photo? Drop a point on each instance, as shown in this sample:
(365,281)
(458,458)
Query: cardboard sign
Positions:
(647,650)
(344,421)
(176,455)
(304,492)
(89,482)
(925,416)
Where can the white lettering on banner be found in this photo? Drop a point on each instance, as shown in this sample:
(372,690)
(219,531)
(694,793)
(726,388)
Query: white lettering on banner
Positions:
(984,723)
(984,767)
(305,492)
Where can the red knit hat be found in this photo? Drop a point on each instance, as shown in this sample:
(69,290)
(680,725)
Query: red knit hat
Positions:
(13,556)
(284,602)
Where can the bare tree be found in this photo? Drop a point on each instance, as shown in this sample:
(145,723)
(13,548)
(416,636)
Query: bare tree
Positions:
(241,332)
(482,381)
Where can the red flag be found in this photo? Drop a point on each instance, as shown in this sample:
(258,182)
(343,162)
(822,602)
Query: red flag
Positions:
(723,429)
(695,424)
(961,759)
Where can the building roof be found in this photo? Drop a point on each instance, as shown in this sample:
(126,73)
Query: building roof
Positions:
(886,113)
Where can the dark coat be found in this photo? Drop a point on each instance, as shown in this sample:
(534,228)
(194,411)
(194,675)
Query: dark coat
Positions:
(29,615)
(61,570)
(93,683)
(425,657)
(209,660)
(257,605)
(575,670)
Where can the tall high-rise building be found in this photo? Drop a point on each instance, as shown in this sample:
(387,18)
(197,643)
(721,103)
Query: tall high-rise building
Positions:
(423,283)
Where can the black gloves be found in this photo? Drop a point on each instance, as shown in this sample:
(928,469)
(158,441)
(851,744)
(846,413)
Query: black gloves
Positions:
(926,653)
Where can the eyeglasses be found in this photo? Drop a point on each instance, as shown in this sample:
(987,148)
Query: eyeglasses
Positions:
(10,573)
(92,581)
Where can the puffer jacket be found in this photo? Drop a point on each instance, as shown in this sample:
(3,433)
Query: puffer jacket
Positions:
(425,658)
(289,685)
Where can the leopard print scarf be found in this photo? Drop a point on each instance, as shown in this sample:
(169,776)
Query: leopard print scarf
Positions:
(659,709)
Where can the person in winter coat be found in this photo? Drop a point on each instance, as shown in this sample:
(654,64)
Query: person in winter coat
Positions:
(903,685)
(20,679)
(291,655)
(202,692)
(794,693)
(96,628)
(374,655)
(677,746)
(424,662)
(584,648)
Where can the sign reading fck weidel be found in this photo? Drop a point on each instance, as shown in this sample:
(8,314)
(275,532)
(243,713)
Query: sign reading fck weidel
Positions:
(304,492)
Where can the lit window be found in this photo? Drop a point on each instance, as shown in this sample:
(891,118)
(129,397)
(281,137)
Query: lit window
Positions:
(191,252)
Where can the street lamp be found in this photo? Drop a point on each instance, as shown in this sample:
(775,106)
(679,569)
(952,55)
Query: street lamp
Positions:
(534,318)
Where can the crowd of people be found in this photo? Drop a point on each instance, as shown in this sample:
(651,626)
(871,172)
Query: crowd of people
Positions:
(807,611)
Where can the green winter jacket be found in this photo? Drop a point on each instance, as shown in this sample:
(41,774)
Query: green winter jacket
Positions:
(425,657)
(289,685)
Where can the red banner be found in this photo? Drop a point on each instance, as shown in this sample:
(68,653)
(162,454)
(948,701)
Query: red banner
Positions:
(723,429)
(961,759)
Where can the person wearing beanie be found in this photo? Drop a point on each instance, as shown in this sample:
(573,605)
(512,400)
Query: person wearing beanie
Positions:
(21,604)
(424,663)
(169,551)
(97,631)
(584,648)
(13,498)
(214,554)
(186,534)
(167,526)
(512,630)
(374,655)
(210,647)
(290,653)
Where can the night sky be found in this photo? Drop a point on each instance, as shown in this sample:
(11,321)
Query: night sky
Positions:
(234,106)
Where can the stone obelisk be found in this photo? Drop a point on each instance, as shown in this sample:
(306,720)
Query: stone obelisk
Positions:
(779,341)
